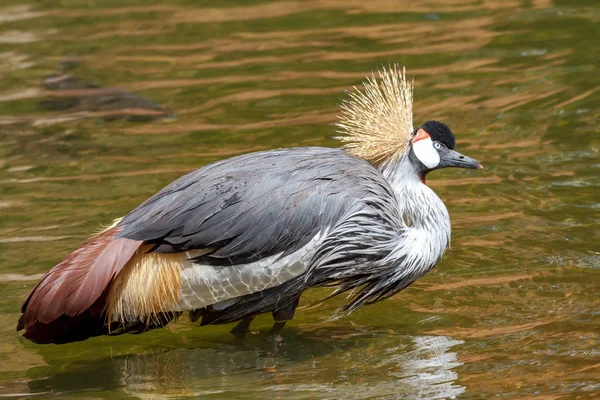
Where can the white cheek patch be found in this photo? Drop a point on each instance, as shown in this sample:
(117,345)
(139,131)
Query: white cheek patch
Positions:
(426,153)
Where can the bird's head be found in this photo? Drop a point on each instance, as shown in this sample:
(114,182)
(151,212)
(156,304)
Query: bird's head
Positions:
(376,124)
(432,147)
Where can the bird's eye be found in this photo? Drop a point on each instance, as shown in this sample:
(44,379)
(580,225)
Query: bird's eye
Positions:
(437,145)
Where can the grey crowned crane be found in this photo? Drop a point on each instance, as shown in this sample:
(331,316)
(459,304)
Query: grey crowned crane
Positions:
(247,235)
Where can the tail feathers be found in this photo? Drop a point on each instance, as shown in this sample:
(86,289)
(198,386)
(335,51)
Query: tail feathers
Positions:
(74,290)
(67,329)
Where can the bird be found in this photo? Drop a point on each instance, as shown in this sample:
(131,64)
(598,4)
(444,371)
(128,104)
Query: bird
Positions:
(248,235)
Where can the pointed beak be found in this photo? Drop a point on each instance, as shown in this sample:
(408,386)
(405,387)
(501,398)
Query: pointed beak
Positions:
(453,158)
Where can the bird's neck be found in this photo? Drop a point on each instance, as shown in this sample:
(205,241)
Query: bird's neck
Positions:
(424,214)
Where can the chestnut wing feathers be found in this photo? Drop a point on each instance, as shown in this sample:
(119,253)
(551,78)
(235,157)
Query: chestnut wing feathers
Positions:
(253,206)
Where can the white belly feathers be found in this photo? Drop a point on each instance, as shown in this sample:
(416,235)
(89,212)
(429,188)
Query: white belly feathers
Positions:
(153,283)
(203,285)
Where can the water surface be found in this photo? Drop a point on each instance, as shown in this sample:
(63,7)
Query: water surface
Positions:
(511,312)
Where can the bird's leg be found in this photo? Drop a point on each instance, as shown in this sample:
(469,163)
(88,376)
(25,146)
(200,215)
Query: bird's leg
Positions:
(241,329)
(281,316)
(274,334)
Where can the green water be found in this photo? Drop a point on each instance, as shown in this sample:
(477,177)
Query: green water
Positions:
(513,310)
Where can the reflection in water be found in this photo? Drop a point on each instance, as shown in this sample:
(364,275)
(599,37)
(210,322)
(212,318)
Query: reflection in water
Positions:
(431,367)
(418,367)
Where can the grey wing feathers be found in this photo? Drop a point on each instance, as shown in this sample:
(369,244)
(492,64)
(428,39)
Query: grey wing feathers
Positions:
(255,205)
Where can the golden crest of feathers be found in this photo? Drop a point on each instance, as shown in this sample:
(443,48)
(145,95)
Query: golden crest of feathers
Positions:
(376,123)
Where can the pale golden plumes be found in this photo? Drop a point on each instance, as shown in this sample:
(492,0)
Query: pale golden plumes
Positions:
(147,286)
(376,124)
(114,223)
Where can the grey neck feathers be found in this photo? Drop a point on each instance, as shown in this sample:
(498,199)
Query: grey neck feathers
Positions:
(422,239)
(407,253)
(426,218)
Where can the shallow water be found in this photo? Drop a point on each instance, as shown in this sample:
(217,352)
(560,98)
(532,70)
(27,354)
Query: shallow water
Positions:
(512,311)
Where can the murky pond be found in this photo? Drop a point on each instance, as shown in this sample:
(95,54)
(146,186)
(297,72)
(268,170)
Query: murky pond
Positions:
(158,88)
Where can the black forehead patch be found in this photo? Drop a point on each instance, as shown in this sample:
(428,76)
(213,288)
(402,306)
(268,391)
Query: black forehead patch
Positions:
(439,132)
